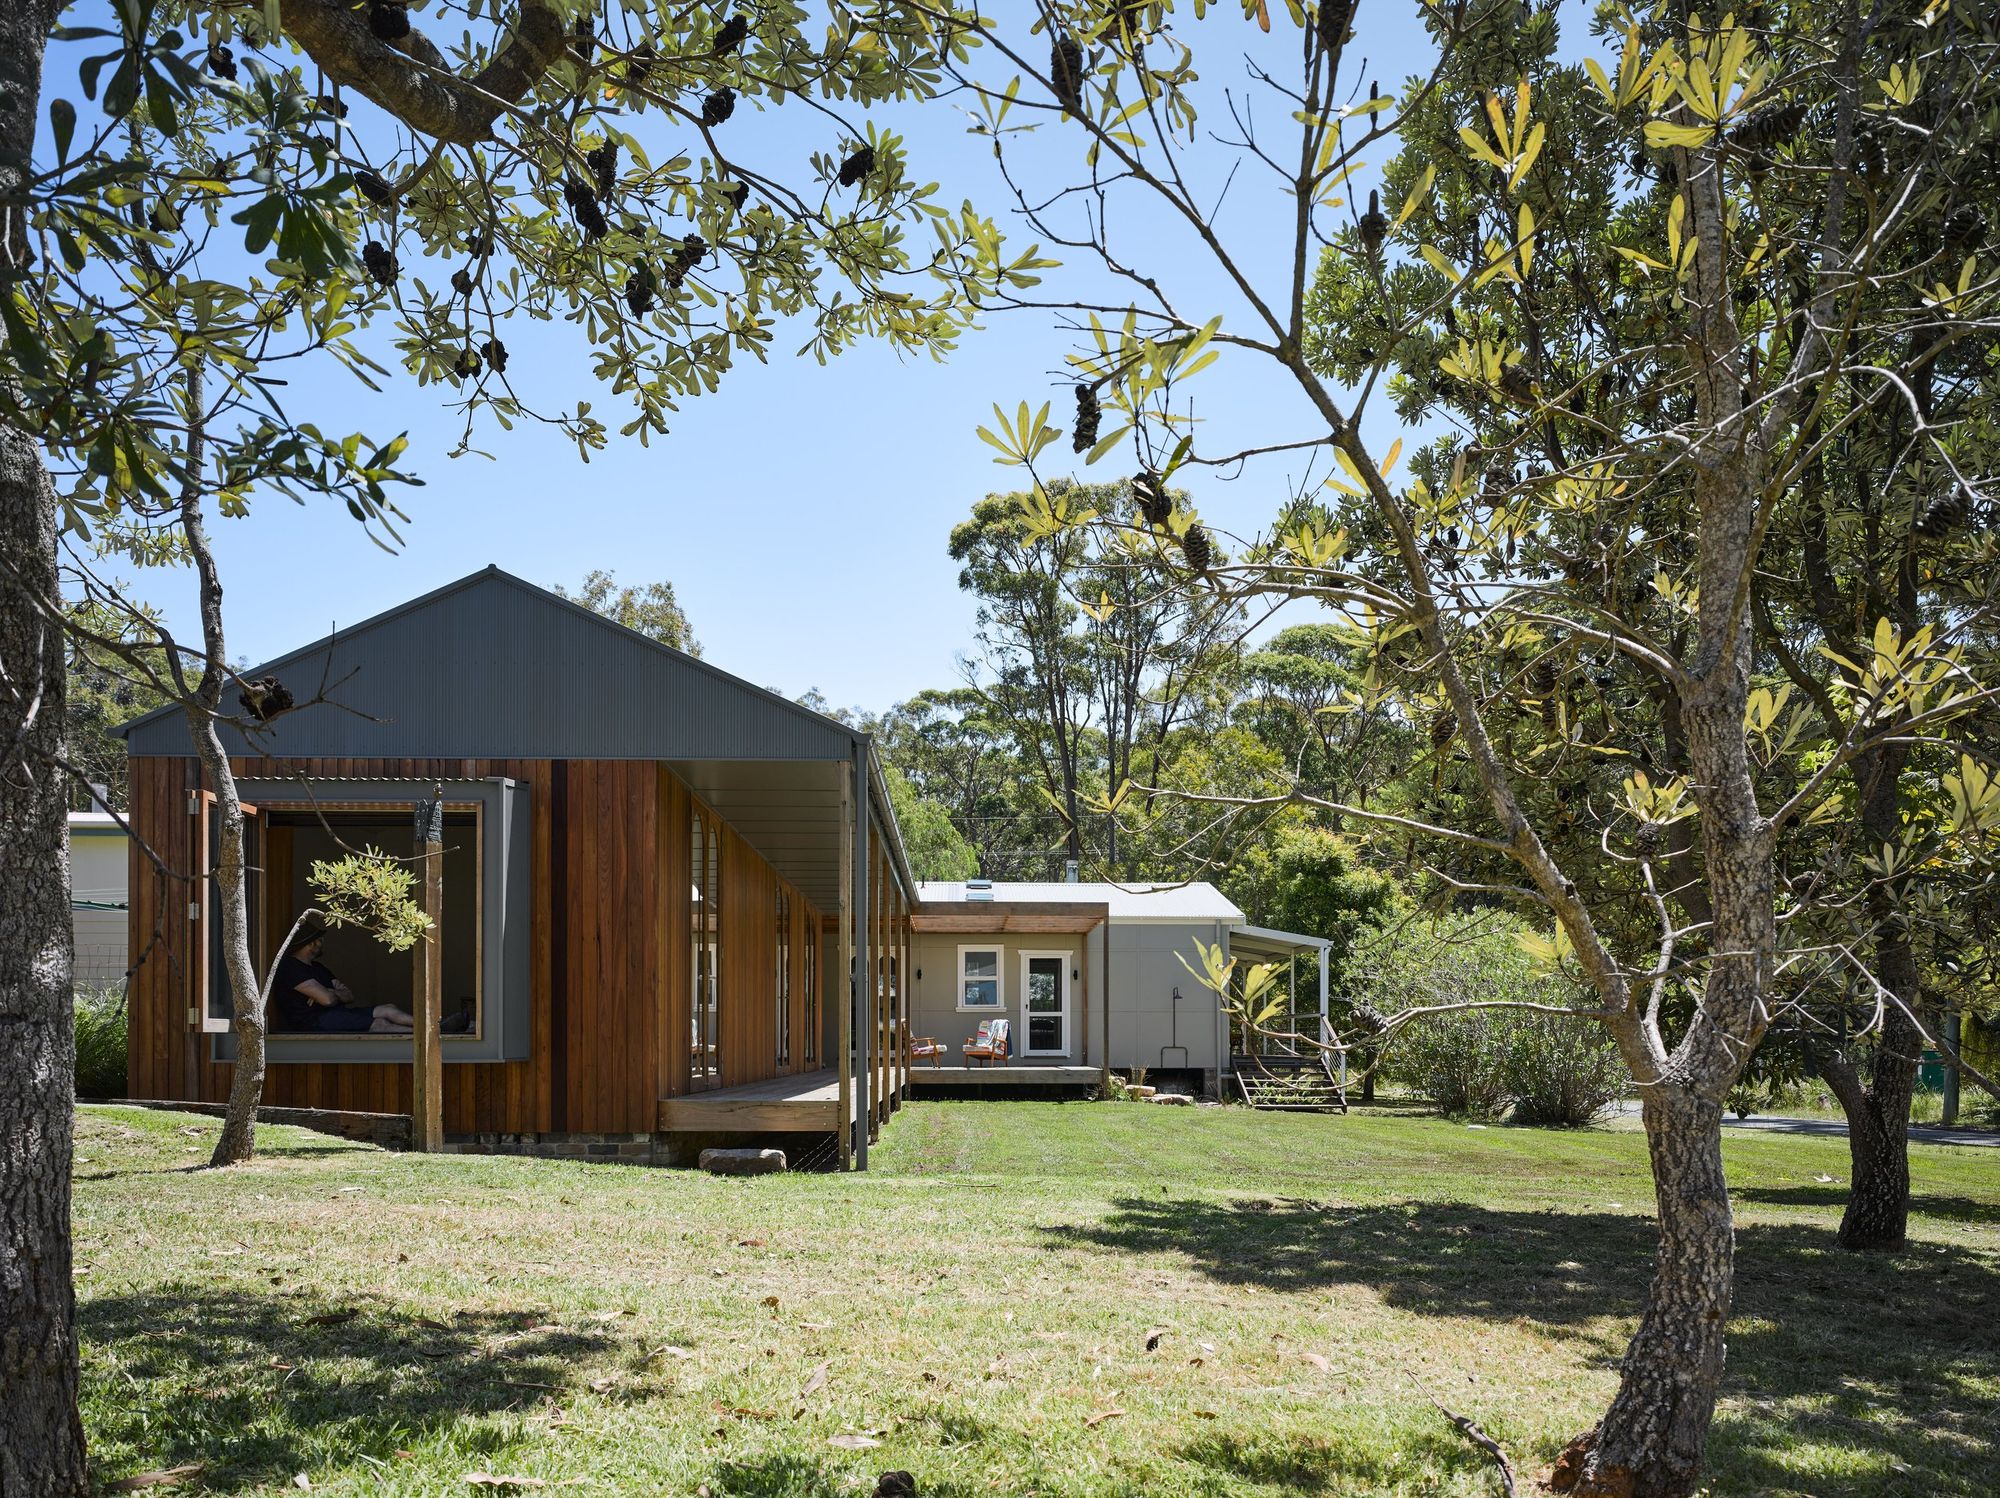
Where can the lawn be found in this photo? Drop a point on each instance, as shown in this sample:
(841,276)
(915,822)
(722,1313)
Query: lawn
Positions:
(1020,1298)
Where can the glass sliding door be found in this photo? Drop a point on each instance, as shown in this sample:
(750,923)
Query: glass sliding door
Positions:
(705,946)
(1045,1003)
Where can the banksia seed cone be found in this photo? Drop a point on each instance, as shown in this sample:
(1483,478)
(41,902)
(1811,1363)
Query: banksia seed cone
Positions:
(1945,515)
(857,166)
(222,61)
(1964,227)
(1444,728)
(583,203)
(1066,73)
(478,245)
(730,34)
(738,194)
(264,697)
(1084,437)
(639,66)
(1769,127)
(496,354)
(373,188)
(603,163)
(639,289)
(718,106)
(1150,495)
(379,263)
(1333,23)
(461,282)
(467,364)
(389,20)
(1195,547)
(1374,226)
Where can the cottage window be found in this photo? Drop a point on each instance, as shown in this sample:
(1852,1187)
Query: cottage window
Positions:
(979,978)
(483,928)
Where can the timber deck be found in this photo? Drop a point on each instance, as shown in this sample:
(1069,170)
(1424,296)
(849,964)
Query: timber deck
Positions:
(806,1104)
(1003,1081)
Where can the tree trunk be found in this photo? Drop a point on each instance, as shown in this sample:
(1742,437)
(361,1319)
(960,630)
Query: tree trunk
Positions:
(41,1436)
(246,1087)
(1878,1117)
(1651,1441)
(238,1139)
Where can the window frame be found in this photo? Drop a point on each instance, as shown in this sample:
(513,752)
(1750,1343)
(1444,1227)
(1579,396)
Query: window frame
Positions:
(999,980)
(503,817)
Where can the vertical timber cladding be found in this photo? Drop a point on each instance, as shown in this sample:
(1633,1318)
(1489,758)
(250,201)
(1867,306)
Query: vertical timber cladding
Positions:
(609,957)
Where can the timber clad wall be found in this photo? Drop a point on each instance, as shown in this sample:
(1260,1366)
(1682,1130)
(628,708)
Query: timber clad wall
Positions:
(609,955)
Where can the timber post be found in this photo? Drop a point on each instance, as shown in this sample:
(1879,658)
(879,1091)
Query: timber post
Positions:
(426,1048)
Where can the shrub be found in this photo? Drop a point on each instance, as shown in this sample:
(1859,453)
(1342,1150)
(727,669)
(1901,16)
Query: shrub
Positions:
(100,1042)
(1457,1062)
(1560,1072)
(1476,1062)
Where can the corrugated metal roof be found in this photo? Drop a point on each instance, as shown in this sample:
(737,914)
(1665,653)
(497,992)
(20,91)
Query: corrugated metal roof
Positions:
(493,666)
(1127,902)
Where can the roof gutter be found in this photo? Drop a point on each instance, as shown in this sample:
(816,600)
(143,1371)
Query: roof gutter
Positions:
(892,834)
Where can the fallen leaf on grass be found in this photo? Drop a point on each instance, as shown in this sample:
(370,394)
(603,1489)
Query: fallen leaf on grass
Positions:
(603,1385)
(332,1318)
(668,1351)
(1316,1360)
(503,1480)
(1101,1416)
(164,1477)
(771,1301)
(433,1352)
(1204,1414)
(816,1381)
(1153,1340)
(847,1442)
(302,1482)
(749,1242)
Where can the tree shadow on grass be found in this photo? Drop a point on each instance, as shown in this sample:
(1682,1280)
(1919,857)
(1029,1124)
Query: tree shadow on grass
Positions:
(791,1474)
(258,1388)
(1843,1368)
(1833,1200)
(1311,1464)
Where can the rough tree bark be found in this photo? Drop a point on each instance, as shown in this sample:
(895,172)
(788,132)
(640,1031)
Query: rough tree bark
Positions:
(41,1437)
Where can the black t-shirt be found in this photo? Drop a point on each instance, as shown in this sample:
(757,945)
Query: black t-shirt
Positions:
(295,1010)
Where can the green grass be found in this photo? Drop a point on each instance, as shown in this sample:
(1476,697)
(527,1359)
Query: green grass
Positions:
(982,1301)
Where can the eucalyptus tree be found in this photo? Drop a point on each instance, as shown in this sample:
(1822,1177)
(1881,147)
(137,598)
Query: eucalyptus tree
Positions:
(1625,291)
(236,190)
(650,608)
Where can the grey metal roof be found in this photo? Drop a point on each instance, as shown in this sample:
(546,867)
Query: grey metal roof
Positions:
(1129,903)
(493,667)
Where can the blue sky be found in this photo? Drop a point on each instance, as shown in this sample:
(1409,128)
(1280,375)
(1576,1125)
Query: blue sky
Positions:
(802,511)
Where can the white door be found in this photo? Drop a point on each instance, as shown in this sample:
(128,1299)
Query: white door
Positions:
(1045,1003)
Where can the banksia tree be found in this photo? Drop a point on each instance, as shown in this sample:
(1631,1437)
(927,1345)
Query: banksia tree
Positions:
(1678,307)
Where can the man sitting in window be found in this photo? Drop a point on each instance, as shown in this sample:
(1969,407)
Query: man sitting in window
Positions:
(307,996)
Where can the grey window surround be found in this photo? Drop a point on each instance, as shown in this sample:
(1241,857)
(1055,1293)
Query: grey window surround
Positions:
(507,914)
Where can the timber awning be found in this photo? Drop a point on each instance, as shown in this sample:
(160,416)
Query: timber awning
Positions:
(1002,917)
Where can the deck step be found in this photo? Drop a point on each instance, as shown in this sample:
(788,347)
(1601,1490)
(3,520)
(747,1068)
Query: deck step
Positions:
(1289,1084)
